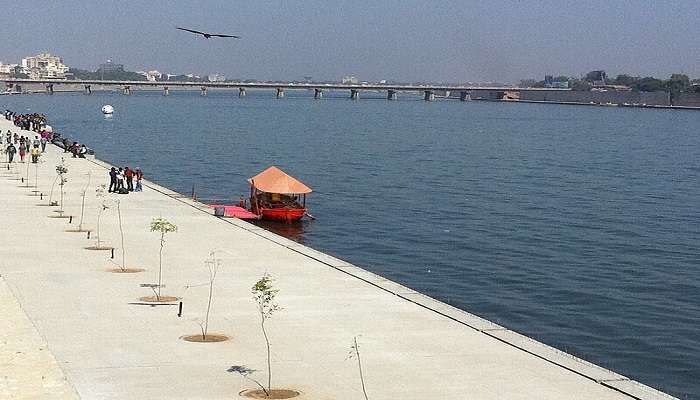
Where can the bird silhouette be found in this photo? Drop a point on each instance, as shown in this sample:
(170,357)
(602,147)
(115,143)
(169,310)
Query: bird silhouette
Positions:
(208,35)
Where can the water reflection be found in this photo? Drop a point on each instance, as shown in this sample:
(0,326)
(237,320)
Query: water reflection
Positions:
(294,231)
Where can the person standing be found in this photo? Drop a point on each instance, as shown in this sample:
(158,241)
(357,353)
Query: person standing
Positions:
(139,177)
(35,154)
(10,151)
(129,175)
(43,142)
(112,180)
(22,151)
(120,180)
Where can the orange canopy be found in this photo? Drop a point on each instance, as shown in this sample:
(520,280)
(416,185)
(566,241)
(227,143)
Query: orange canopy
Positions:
(274,180)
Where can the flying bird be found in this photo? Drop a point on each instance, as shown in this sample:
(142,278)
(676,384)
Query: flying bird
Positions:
(208,35)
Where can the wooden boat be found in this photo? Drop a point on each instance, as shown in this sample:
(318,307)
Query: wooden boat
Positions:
(276,196)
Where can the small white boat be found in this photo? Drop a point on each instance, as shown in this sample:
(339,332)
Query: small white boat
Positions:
(107,110)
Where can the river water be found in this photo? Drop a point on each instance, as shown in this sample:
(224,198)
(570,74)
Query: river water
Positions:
(578,226)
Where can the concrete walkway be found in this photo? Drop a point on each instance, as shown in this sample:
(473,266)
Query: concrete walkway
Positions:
(112,347)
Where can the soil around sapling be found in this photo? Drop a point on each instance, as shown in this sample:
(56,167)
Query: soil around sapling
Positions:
(273,394)
(126,271)
(209,338)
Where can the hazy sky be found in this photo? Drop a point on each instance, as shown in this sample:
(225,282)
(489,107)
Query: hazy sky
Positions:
(444,40)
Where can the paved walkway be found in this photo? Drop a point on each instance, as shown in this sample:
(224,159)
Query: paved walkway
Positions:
(112,347)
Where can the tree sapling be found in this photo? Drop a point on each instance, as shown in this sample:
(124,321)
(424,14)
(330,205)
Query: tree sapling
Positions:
(162,226)
(264,296)
(355,353)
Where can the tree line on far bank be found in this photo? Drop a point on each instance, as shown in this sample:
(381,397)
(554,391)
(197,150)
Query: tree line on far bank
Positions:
(676,83)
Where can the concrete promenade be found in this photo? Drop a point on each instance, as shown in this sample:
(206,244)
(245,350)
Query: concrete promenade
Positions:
(70,328)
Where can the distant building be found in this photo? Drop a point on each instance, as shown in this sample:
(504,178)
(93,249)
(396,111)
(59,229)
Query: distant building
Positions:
(350,80)
(43,66)
(596,77)
(216,78)
(8,69)
(110,67)
(153,75)
(550,82)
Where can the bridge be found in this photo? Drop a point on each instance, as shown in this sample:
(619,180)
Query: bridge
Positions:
(127,87)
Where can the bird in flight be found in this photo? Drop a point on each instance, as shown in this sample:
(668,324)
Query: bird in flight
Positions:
(208,35)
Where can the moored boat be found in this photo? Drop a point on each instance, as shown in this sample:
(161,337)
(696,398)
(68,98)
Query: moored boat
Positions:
(276,196)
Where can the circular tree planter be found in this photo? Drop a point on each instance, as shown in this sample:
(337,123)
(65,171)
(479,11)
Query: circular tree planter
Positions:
(159,299)
(101,247)
(273,394)
(209,338)
(125,270)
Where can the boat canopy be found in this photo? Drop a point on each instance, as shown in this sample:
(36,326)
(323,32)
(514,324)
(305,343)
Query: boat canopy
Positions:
(274,180)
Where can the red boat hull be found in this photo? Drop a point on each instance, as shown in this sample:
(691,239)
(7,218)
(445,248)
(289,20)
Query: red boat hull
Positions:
(283,214)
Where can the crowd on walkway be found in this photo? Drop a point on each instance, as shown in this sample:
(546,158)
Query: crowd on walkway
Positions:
(29,122)
(23,145)
(121,180)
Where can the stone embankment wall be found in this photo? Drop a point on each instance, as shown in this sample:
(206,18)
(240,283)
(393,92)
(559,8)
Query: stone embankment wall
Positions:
(648,98)
(687,100)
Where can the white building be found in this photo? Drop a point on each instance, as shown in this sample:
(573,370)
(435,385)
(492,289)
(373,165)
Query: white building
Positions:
(216,78)
(153,75)
(7,69)
(44,65)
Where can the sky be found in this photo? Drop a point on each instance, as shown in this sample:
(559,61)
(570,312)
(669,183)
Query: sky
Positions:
(410,41)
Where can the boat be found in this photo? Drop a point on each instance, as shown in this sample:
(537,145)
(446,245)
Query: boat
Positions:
(107,109)
(277,196)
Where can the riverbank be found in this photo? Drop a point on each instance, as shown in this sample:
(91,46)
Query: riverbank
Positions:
(112,347)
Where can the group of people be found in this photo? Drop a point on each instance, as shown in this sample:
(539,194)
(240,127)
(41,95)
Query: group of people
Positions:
(14,143)
(29,122)
(78,150)
(122,180)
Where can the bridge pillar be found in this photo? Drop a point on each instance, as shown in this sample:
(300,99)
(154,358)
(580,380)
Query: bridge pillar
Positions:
(49,88)
(18,88)
(203,91)
(88,89)
(127,90)
(241,92)
(318,93)
(464,96)
(280,93)
(428,95)
(391,95)
(354,94)
(166,91)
